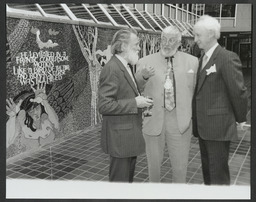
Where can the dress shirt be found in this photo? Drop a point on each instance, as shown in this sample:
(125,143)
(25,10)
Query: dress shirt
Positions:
(209,53)
(125,63)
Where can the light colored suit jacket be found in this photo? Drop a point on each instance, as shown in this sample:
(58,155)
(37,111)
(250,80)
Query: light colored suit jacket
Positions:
(185,68)
(121,134)
(220,98)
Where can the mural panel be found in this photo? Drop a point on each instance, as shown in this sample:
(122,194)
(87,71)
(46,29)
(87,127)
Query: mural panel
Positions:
(48,84)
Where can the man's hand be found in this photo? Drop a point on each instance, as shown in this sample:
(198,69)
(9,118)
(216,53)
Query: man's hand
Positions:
(147,72)
(243,125)
(143,102)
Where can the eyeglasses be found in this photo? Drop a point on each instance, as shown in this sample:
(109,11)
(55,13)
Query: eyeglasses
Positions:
(169,41)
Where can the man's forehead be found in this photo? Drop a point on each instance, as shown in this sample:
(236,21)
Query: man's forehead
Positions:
(170,35)
(134,36)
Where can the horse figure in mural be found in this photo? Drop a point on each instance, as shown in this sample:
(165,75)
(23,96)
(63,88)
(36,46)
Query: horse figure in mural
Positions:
(41,44)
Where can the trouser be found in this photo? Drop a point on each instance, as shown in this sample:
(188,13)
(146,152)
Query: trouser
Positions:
(178,148)
(122,169)
(214,157)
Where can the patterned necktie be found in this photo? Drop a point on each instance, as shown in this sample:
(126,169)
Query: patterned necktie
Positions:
(169,87)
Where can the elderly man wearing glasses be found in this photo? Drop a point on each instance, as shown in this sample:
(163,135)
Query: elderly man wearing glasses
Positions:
(169,78)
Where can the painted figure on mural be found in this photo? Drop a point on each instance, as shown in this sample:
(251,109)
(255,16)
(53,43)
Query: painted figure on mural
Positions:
(32,118)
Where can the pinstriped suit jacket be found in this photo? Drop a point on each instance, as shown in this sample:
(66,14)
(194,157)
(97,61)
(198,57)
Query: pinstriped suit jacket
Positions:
(220,98)
(121,134)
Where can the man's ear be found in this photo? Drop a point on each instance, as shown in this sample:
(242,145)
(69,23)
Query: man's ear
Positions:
(211,33)
(123,47)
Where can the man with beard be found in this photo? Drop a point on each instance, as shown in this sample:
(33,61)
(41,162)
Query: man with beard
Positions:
(121,105)
(169,77)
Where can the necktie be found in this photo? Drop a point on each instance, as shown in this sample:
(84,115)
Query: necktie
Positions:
(204,62)
(130,70)
(169,86)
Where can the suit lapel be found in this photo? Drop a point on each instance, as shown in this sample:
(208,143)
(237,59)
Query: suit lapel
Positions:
(202,74)
(126,75)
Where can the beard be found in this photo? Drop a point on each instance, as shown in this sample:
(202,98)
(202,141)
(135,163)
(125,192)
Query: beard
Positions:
(133,57)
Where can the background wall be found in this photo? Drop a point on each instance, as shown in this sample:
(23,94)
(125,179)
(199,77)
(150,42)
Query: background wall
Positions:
(243,20)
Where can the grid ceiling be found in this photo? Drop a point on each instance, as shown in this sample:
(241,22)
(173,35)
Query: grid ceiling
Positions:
(54,9)
(151,20)
(26,7)
(79,11)
(115,14)
(97,12)
(142,19)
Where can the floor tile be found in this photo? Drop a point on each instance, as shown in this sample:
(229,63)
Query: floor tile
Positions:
(81,158)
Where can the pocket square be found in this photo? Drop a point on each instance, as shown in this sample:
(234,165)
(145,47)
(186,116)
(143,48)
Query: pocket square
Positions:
(191,71)
(212,69)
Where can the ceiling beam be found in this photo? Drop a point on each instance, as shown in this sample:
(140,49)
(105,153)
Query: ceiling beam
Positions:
(108,15)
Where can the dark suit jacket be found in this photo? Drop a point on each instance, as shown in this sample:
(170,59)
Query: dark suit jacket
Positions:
(121,134)
(220,98)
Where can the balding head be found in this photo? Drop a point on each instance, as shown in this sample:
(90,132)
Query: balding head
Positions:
(172,31)
(210,24)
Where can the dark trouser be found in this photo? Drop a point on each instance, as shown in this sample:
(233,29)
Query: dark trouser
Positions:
(122,169)
(214,157)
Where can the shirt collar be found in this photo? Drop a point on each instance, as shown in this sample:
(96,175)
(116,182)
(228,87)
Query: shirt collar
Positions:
(211,50)
(124,62)
(164,57)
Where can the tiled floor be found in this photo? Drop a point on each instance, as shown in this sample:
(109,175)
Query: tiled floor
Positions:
(81,158)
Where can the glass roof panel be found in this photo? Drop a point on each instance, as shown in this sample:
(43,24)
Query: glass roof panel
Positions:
(79,11)
(28,7)
(54,9)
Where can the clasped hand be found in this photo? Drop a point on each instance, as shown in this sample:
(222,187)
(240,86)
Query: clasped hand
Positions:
(243,125)
(143,102)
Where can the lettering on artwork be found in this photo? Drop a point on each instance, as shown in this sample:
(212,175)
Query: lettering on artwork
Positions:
(41,67)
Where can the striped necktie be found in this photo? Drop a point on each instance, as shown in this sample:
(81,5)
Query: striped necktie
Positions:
(204,61)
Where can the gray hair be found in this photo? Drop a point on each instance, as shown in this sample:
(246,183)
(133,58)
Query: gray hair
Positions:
(120,37)
(173,31)
(210,24)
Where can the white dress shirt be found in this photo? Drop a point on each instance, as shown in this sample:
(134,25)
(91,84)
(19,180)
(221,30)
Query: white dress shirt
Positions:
(125,63)
(209,53)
